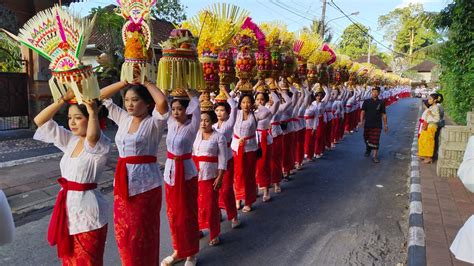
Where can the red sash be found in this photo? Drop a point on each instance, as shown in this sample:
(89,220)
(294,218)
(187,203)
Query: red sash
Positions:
(241,150)
(58,230)
(209,159)
(179,165)
(121,180)
(420,123)
(308,117)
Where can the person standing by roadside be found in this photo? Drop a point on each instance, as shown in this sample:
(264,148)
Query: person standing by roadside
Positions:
(429,126)
(372,114)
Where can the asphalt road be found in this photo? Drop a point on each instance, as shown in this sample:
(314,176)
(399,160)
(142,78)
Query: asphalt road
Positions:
(342,209)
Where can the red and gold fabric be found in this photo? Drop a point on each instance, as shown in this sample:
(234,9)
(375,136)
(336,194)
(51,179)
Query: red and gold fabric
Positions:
(208,201)
(287,153)
(88,248)
(244,176)
(182,209)
(299,153)
(208,208)
(137,227)
(327,133)
(309,143)
(226,192)
(263,170)
(275,161)
(320,138)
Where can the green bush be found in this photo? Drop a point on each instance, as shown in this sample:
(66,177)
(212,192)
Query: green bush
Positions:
(457,59)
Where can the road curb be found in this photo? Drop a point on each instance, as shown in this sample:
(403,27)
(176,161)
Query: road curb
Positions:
(416,232)
(30,160)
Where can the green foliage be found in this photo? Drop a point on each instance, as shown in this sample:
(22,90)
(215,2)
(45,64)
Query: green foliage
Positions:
(110,25)
(354,43)
(409,28)
(386,57)
(10,54)
(457,58)
(316,28)
(170,10)
(411,74)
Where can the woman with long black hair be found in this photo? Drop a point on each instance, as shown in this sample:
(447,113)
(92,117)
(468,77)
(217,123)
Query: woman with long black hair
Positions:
(78,225)
(263,171)
(244,146)
(138,179)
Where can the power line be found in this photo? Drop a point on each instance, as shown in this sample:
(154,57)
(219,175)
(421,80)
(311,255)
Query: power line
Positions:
(289,10)
(306,11)
(308,8)
(363,30)
(294,21)
(282,6)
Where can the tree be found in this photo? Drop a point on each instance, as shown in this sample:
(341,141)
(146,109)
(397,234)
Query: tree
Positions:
(10,54)
(386,57)
(110,25)
(170,10)
(354,42)
(456,58)
(409,28)
(316,28)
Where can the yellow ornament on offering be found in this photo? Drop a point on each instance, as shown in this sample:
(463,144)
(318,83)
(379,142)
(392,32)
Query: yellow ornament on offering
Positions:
(134,47)
(215,26)
(179,68)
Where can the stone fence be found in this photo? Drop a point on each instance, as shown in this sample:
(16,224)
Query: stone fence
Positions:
(453,141)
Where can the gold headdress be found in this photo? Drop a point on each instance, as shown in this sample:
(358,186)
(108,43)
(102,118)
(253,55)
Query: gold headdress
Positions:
(61,38)
(136,36)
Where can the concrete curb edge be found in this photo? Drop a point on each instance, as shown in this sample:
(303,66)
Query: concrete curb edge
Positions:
(416,232)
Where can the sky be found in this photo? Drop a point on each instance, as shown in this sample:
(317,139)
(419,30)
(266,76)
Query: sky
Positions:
(298,13)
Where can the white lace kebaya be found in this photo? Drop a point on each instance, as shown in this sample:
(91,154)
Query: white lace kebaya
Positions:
(86,210)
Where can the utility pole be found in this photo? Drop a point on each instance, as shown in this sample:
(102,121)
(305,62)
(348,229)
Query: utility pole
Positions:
(323,15)
(368,53)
